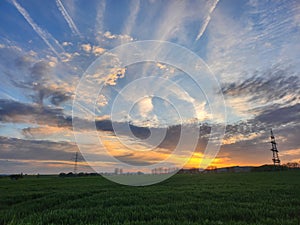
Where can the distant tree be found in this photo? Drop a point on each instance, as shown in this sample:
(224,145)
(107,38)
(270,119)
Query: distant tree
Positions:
(268,168)
(16,176)
(211,169)
(160,170)
(62,175)
(292,165)
(93,174)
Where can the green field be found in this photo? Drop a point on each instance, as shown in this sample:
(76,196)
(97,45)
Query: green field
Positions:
(231,198)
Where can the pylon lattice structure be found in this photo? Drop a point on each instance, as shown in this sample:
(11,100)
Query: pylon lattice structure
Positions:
(274,149)
(75,163)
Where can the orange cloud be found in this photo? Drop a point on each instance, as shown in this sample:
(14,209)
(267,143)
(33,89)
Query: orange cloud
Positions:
(49,132)
(292,152)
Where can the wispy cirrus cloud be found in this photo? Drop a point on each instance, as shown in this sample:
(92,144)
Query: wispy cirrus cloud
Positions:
(271,89)
(49,40)
(264,35)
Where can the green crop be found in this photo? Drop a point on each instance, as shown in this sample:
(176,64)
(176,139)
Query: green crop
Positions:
(231,198)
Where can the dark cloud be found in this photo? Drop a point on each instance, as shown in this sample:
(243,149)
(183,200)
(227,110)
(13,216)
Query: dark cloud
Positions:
(17,112)
(24,62)
(274,95)
(132,159)
(285,121)
(56,98)
(268,86)
(280,116)
(257,149)
(169,142)
(36,76)
(9,56)
(107,125)
(14,148)
(38,79)
(40,71)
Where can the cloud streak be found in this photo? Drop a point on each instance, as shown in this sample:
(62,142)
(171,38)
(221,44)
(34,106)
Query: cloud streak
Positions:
(67,17)
(100,16)
(134,10)
(206,21)
(50,41)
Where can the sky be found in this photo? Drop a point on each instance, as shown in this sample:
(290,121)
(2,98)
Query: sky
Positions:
(250,47)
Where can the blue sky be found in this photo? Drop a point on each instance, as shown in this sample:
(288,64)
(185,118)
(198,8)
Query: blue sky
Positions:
(251,47)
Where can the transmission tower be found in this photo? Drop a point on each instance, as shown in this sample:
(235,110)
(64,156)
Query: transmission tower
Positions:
(274,149)
(75,163)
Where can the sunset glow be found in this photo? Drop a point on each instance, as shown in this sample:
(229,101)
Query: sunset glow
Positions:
(251,50)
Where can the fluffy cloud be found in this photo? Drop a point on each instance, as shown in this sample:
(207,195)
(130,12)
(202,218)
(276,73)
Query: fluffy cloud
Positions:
(86,47)
(114,75)
(124,37)
(66,43)
(67,57)
(98,50)
(145,106)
